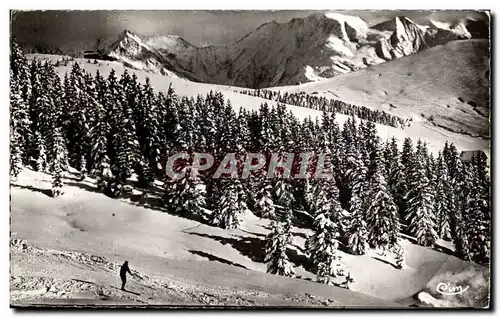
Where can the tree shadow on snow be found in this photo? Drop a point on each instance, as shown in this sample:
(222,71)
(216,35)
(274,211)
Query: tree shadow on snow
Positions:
(47,192)
(384,261)
(300,219)
(304,278)
(250,247)
(253,233)
(253,248)
(300,260)
(69,175)
(302,250)
(300,234)
(156,203)
(443,249)
(151,202)
(213,258)
(436,247)
(82,186)
(343,248)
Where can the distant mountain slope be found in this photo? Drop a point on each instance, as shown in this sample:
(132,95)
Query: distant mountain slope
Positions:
(447,85)
(307,49)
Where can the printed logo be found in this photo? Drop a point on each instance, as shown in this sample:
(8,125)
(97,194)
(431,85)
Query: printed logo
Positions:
(450,289)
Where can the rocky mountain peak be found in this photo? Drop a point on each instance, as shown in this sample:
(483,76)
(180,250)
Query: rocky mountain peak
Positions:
(315,47)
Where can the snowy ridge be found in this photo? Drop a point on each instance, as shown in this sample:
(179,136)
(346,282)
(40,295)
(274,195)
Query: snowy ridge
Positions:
(450,93)
(277,54)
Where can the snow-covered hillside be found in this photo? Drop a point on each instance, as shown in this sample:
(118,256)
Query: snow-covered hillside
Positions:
(275,54)
(445,89)
(74,245)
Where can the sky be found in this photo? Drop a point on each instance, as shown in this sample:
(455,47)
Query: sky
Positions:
(68,28)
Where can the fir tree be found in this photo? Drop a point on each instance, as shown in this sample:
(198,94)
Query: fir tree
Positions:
(450,156)
(41,161)
(308,194)
(186,196)
(358,233)
(382,217)
(396,179)
(283,192)
(20,70)
(98,138)
(372,145)
(275,250)
(478,210)
(230,207)
(458,219)
(125,146)
(149,132)
(104,176)
(407,160)
(356,175)
(322,245)
(444,199)
(477,228)
(265,205)
(399,255)
(57,161)
(420,203)
(19,127)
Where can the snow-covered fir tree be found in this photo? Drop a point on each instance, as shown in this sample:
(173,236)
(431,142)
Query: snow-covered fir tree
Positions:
(148,131)
(19,127)
(75,113)
(444,199)
(126,149)
(230,207)
(57,155)
(275,250)
(396,180)
(477,209)
(265,205)
(420,202)
(186,196)
(399,254)
(41,155)
(381,215)
(407,162)
(308,194)
(458,219)
(322,245)
(283,192)
(356,174)
(103,173)
(20,70)
(357,232)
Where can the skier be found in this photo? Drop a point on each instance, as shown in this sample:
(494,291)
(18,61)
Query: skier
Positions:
(144,198)
(123,273)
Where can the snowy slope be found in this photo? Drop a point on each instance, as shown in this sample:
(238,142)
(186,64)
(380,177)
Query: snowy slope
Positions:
(174,256)
(301,50)
(75,244)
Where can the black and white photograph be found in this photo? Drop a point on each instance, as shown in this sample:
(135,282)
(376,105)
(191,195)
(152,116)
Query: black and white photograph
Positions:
(242,159)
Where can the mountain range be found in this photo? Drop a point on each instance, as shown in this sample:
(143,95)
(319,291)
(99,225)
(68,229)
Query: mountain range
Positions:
(302,50)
